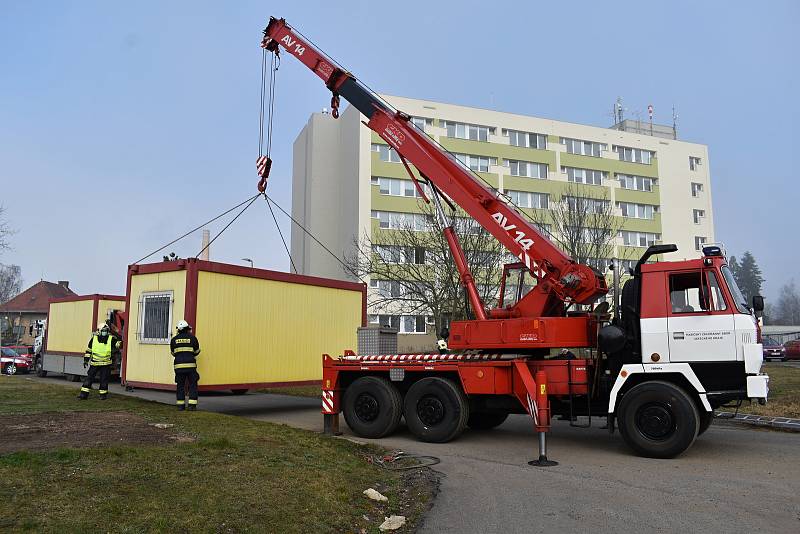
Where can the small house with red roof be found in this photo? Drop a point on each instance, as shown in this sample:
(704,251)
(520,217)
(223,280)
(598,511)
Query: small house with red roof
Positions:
(31,305)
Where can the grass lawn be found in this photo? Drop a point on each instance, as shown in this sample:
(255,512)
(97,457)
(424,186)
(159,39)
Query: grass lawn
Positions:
(784,393)
(206,473)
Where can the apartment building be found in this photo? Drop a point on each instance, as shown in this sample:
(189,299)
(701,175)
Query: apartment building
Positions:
(348,184)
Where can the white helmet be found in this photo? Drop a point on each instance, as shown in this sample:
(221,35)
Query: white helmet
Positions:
(183,325)
(102,326)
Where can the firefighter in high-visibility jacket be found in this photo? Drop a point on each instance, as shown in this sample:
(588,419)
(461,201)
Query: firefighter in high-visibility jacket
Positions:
(185,348)
(99,358)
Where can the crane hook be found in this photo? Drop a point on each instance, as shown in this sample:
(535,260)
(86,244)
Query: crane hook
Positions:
(335,105)
(263,166)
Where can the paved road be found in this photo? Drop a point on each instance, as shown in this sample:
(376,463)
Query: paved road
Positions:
(731,480)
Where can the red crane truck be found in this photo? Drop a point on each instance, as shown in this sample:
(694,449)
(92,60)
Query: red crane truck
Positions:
(682,340)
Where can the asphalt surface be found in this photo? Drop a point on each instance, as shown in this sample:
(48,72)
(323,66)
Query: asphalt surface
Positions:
(733,479)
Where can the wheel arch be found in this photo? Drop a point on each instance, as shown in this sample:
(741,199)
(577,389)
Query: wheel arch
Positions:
(681,376)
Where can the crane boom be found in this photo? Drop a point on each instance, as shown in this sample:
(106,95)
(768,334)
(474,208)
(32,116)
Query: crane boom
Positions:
(560,279)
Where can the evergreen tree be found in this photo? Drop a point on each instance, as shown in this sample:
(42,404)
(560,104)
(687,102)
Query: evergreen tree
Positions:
(787,310)
(733,264)
(748,276)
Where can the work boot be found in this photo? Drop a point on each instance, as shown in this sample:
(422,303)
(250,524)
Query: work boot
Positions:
(82,396)
(181,407)
(192,407)
(103,397)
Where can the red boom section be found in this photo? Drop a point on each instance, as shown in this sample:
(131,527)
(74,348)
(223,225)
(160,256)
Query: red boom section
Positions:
(560,278)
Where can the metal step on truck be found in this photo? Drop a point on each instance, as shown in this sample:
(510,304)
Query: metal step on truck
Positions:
(681,341)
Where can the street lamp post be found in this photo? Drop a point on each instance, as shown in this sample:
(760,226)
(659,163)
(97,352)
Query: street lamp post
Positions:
(248,259)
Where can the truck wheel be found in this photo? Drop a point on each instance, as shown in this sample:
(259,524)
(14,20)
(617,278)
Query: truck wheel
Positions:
(372,407)
(658,419)
(486,420)
(705,421)
(436,410)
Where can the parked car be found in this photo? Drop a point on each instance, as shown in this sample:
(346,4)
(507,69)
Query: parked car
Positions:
(12,362)
(792,349)
(773,349)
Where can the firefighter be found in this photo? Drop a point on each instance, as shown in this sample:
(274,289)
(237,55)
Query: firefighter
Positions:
(185,348)
(98,357)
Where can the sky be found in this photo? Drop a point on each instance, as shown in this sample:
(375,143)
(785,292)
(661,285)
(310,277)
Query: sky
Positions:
(125,124)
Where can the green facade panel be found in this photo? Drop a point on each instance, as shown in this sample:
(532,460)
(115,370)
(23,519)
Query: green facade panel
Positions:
(641,225)
(393,203)
(640,197)
(609,165)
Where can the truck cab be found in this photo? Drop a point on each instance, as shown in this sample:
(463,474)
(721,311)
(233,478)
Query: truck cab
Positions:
(684,323)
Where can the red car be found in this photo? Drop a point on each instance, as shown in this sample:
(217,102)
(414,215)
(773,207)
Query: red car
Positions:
(15,360)
(792,349)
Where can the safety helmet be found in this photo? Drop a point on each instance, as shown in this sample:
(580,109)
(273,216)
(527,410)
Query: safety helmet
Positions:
(102,326)
(183,325)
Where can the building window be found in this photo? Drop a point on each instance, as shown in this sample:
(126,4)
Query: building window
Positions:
(406,324)
(694,163)
(526,168)
(473,132)
(584,176)
(526,139)
(634,155)
(583,148)
(394,220)
(396,187)
(698,216)
(637,183)
(155,317)
(386,152)
(638,239)
(476,163)
(637,211)
(526,199)
(696,189)
(589,205)
(397,254)
(699,241)
(422,123)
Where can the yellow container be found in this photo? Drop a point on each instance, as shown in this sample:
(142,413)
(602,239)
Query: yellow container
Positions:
(72,320)
(256,328)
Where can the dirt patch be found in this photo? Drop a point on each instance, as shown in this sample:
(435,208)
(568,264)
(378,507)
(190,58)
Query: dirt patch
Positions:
(80,429)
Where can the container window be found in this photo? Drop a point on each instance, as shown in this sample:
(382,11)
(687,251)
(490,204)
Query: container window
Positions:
(155,317)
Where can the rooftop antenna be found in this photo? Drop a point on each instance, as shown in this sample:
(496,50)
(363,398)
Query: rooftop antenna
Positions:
(650,113)
(619,114)
(674,123)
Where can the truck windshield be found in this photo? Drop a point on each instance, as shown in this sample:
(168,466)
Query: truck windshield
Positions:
(736,293)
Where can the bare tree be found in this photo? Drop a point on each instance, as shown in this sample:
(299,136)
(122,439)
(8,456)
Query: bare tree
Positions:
(10,275)
(5,232)
(787,310)
(582,223)
(412,271)
(10,282)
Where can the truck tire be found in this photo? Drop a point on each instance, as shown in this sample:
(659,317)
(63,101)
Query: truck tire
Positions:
(436,410)
(658,419)
(486,420)
(372,407)
(706,418)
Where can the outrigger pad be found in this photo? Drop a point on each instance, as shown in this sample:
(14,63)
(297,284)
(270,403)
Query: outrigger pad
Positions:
(542,462)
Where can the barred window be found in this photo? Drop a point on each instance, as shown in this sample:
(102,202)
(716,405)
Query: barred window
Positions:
(155,317)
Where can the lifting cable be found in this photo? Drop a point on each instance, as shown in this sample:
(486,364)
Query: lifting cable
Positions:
(267,107)
(312,236)
(291,260)
(228,225)
(249,199)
